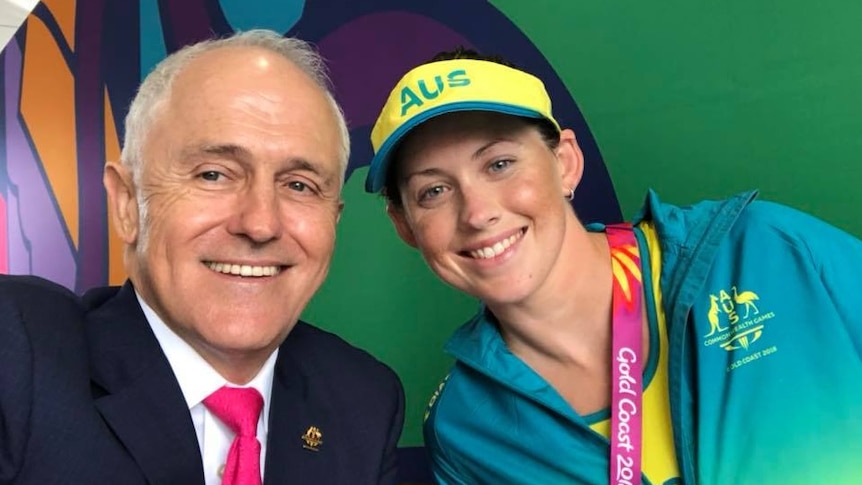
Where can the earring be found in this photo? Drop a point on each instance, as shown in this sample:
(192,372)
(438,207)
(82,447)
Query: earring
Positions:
(571,195)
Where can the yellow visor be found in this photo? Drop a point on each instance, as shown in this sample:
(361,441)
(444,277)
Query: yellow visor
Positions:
(443,87)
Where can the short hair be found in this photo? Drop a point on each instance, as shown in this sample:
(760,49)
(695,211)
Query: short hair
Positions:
(156,87)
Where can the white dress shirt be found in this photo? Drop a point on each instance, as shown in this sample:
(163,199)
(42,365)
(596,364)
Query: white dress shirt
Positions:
(198,380)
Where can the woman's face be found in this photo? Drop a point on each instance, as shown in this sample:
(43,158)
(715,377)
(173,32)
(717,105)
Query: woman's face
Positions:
(483,199)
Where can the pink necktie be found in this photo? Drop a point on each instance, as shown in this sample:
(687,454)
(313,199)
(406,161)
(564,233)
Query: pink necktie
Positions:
(239,408)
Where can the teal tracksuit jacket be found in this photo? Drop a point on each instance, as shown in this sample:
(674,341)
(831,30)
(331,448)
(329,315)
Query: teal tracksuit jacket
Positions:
(763,307)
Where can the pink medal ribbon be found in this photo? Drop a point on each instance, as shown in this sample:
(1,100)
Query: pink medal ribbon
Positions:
(626,362)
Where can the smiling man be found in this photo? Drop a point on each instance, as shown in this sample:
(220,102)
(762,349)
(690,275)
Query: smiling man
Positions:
(198,369)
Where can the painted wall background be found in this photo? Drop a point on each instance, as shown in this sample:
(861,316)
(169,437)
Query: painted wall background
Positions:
(695,99)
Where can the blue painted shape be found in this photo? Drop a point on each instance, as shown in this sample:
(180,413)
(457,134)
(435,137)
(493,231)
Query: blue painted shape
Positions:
(277,15)
(152,37)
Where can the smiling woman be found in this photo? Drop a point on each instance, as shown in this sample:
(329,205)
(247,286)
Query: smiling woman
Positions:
(584,338)
(462,174)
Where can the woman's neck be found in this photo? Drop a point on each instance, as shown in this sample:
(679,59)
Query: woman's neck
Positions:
(568,320)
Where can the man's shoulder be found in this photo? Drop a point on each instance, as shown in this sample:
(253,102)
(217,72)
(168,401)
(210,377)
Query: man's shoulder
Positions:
(326,352)
(38,304)
(27,288)
(310,340)
(42,346)
(96,297)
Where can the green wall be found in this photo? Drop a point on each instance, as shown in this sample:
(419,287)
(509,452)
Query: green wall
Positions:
(702,99)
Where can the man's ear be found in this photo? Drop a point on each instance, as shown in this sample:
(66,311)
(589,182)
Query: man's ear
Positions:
(571,161)
(402,227)
(122,201)
(340,211)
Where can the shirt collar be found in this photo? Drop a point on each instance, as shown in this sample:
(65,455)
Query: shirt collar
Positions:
(197,379)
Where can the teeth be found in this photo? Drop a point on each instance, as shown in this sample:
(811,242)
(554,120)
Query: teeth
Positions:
(497,248)
(246,270)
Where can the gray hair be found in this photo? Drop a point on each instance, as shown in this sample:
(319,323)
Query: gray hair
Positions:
(157,85)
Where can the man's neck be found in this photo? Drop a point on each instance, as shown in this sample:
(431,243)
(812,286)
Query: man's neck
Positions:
(238,368)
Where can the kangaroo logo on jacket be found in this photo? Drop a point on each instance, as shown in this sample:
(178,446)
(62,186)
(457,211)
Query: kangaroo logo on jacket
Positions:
(313,438)
(737,319)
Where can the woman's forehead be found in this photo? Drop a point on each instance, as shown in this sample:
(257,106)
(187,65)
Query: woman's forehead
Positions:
(457,126)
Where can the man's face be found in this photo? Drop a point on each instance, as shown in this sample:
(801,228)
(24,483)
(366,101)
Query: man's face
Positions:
(241,179)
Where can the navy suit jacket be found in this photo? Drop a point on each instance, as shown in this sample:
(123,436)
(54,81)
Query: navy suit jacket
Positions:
(88,397)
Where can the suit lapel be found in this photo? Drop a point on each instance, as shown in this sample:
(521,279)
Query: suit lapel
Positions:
(142,400)
(289,457)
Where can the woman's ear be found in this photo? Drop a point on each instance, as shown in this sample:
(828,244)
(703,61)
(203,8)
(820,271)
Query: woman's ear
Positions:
(122,201)
(402,226)
(571,161)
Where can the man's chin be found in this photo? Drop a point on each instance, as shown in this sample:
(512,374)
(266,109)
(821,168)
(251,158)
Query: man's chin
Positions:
(250,336)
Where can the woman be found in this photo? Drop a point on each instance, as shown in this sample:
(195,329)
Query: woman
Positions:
(717,343)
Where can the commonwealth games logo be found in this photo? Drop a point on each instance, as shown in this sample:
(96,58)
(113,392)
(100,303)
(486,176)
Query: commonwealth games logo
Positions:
(735,319)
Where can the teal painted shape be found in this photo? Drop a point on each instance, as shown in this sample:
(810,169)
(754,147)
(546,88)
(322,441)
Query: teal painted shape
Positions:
(152,38)
(278,15)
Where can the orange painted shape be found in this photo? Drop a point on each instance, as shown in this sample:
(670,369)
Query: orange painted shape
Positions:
(47,106)
(64,13)
(116,270)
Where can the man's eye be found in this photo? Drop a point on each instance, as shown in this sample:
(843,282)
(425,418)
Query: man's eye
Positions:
(211,176)
(298,186)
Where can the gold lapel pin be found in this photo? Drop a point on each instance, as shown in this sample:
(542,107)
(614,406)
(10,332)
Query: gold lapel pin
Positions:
(313,438)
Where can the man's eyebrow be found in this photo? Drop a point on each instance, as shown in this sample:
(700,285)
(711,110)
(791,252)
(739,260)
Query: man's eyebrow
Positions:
(226,150)
(243,155)
(301,164)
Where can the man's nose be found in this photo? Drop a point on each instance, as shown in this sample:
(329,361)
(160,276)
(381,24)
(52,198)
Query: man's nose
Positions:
(258,215)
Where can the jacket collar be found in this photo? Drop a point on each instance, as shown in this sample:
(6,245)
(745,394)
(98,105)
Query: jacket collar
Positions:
(136,391)
(479,345)
(689,238)
(290,450)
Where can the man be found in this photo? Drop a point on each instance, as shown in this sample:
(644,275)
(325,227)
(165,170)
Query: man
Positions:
(227,200)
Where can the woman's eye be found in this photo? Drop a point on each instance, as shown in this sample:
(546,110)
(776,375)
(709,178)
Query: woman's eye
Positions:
(432,192)
(500,165)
